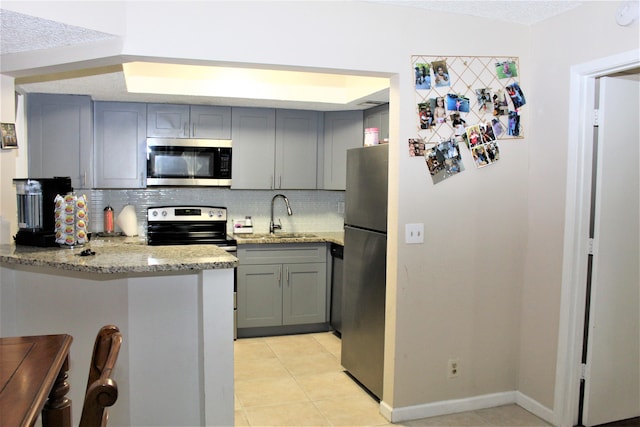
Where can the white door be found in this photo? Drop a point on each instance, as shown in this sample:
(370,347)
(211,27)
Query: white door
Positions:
(613,357)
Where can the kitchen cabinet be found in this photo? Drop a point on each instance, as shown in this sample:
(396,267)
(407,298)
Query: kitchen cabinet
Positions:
(342,131)
(60,137)
(296,149)
(188,121)
(254,141)
(120,144)
(378,117)
(282,284)
(274,149)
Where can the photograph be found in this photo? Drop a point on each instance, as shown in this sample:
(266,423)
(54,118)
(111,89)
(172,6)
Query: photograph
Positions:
(423,76)
(444,160)
(487,132)
(480,157)
(498,127)
(458,124)
(484,100)
(425,115)
(459,103)
(416,148)
(439,111)
(500,103)
(9,139)
(506,69)
(516,95)
(474,136)
(440,74)
(513,129)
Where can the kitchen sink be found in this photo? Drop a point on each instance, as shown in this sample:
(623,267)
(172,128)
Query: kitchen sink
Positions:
(282,236)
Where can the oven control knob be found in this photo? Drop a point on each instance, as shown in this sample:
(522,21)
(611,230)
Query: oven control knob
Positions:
(154,213)
(164,213)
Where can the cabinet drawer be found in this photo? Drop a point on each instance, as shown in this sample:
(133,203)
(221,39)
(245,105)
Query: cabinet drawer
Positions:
(282,253)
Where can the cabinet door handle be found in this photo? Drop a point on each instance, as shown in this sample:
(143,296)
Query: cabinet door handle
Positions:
(84,179)
(194,129)
(142,179)
(280,277)
(272,182)
(280,181)
(287,272)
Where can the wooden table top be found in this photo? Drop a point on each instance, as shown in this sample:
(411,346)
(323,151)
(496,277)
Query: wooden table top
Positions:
(28,369)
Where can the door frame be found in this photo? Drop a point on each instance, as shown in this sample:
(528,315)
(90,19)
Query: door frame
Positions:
(576,228)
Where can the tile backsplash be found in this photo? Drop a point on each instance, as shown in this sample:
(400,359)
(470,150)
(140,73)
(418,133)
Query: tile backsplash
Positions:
(313,210)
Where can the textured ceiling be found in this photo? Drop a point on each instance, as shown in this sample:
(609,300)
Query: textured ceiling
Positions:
(24,33)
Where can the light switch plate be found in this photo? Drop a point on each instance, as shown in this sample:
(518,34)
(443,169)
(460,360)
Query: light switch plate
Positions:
(414,233)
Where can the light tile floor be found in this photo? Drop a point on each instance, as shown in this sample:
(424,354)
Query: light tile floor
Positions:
(297,380)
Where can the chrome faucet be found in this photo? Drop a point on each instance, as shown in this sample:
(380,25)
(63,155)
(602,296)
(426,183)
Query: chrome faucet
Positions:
(272,225)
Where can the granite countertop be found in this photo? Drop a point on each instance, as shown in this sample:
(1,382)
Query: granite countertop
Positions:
(287,237)
(121,255)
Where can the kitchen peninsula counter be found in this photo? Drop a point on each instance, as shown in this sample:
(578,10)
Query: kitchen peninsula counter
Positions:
(120,255)
(173,304)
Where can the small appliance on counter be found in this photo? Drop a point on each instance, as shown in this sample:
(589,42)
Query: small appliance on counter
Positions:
(36,209)
(243,226)
(71,220)
(127,220)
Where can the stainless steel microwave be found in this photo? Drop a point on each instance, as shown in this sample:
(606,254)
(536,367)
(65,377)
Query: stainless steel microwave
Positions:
(189,162)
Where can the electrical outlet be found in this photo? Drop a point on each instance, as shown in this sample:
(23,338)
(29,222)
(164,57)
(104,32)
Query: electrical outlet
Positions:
(414,233)
(453,368)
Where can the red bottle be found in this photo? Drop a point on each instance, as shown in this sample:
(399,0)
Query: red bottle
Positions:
(108,219)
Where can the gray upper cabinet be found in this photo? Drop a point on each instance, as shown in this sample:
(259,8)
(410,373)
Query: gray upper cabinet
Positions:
(274,149)
(188,121)
(254,140)
(296,149)
(120,144)
(60,137)
(378,117)
(342,131)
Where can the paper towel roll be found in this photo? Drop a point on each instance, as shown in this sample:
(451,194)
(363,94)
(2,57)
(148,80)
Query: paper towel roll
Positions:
(128,221)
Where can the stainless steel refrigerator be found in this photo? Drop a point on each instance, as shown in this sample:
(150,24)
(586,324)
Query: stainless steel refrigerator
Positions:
(365,260)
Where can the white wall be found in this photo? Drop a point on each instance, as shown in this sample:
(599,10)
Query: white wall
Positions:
(585,34)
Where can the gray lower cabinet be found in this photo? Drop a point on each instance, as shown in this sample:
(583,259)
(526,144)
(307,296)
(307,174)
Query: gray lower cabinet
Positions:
(60,137)
(281,285)
(120,144)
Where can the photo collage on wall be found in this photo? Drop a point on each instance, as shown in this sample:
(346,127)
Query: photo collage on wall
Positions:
(471,101)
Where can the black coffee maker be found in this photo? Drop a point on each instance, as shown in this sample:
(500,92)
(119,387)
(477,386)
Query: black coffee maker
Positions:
(36,206)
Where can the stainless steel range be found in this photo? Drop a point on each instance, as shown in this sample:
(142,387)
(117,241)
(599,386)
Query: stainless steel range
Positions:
(193,225)
(189,225)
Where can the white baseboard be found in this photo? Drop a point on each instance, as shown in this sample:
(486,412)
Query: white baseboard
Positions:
(447,407)
(535,408)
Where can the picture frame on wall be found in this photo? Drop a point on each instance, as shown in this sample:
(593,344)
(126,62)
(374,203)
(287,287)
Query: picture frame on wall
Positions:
(9,138)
